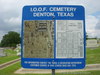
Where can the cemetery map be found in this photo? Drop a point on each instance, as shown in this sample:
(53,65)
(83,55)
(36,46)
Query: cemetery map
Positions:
(38,39)
(69,35)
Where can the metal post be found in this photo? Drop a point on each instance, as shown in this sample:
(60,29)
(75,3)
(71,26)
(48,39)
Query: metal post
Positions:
(53,71)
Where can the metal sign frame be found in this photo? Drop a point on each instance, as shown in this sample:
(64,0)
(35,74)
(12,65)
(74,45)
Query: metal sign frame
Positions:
(53,63)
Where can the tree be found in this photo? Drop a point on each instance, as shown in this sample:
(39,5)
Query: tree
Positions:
(10,39)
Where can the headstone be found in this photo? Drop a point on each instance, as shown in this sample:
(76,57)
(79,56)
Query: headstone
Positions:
(2,52)
(18,50)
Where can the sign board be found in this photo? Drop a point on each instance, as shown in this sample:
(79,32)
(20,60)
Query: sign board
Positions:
(53,37)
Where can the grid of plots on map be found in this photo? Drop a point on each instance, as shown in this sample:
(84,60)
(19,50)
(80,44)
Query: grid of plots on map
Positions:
(69,36)
(38,39)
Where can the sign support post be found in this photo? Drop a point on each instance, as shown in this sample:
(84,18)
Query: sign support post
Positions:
(53,71)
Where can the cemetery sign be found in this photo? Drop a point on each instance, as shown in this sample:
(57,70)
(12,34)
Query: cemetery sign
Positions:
(53,37)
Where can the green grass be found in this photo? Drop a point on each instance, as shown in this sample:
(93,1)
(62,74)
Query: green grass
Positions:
(11,55)
(10,52)
(7,58)
(11,69)
(93,56)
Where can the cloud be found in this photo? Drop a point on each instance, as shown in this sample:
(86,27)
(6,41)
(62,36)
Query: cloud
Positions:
(1,34)
(91,6)
(91,23)
(10,24)
(13,20)
(97,27)
(11,11)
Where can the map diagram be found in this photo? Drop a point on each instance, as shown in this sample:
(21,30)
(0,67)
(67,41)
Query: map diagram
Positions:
(69,35)
(38,39)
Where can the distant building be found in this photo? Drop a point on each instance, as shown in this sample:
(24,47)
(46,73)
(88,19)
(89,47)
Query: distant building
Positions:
(92,43)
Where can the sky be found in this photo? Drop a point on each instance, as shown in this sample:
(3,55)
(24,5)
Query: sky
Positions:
(11,14)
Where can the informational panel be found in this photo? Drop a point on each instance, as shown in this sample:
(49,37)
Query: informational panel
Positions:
(38,39)
(53,37)
(69,39)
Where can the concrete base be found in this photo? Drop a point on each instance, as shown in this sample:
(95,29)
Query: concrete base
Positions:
(46,71)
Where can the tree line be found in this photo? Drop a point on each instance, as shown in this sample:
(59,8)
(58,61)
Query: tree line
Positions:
(11,39)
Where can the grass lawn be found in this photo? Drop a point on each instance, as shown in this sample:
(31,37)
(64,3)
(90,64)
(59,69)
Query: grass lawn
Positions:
(11,55)
(7,58)
(93,56)
(10,52)
(11,69)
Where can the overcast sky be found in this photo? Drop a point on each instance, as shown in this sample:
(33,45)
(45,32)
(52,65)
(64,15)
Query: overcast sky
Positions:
(11,11)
